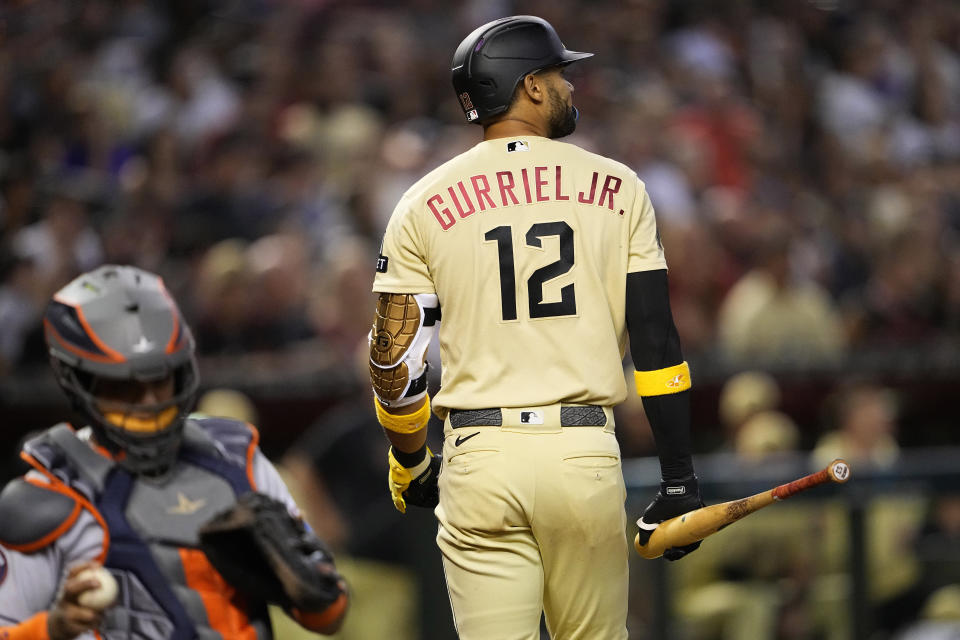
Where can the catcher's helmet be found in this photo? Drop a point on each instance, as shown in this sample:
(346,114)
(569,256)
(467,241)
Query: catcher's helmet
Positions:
(118,324)
(492,60)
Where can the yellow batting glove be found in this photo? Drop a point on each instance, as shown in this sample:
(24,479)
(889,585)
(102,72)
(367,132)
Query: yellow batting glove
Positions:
(398,482)
(416,485)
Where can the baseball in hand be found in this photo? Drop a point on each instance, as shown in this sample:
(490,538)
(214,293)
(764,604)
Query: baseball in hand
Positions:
(101,597)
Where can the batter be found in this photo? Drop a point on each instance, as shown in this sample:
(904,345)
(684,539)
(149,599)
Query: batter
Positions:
(537,262)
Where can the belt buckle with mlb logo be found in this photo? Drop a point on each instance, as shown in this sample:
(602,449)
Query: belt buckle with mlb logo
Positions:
(531,417)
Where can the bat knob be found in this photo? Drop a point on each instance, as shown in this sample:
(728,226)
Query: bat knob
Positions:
(646,550)
(839,470)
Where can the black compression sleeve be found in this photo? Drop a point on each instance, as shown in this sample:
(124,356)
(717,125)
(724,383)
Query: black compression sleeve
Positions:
(669,417)
(654,344)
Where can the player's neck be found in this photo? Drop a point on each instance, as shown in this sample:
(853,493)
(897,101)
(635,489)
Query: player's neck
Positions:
(513,127)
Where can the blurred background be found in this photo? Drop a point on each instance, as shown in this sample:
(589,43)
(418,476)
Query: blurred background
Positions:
(803,157)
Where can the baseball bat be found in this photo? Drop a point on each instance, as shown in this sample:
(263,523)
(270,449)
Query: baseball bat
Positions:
(700,523)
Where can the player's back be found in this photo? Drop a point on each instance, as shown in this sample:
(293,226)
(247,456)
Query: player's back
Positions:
(527,242)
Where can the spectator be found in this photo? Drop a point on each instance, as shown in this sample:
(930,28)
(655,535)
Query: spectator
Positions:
(769,317)
(742,397)
(866,427)
(20,309)
(280,274)
(864,417)
(220,301)
(938,543)
(63,243)
(765,436)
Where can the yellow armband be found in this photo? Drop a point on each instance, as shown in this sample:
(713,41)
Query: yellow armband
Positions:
(663,381)
(403,423)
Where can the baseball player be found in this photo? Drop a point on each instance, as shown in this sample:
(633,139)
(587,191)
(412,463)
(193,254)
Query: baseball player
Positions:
(543,260)
(132,490)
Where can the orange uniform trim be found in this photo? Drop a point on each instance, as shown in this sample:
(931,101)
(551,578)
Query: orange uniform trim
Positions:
(217,596)
(106,453)
(34,628)
(320,620)
(173,336)
(61,529)
(96,357)
(176,321)
(115,356)
(251,450)
(56,484)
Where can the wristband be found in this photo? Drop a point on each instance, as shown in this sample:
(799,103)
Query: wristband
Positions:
(416,467)
(663,381)
(411,459)
(403,423)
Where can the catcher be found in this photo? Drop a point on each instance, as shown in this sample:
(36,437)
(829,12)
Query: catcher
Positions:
(185,513)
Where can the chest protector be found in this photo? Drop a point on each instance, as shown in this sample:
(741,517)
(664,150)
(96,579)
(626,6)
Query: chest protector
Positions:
(168,589)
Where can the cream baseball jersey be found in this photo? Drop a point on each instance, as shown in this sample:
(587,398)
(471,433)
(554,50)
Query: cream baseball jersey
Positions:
(527,243)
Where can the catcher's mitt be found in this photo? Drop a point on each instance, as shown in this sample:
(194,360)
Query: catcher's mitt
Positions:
(263,552)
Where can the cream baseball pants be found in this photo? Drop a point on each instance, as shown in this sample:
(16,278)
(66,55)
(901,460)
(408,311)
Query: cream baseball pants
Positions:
(532,520)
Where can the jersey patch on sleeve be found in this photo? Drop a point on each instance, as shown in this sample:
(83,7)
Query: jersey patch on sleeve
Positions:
(382,260)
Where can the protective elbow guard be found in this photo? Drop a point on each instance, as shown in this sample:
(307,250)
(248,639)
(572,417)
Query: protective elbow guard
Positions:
(402,330)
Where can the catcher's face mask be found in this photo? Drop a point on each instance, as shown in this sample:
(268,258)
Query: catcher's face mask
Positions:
(137,407)
(125,358)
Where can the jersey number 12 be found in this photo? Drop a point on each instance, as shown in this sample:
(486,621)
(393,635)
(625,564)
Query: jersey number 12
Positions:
(567,306)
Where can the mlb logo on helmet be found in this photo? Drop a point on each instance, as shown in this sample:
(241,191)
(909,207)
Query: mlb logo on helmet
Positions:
(468,106)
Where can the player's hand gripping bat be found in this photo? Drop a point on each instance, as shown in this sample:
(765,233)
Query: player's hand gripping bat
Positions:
(700,523)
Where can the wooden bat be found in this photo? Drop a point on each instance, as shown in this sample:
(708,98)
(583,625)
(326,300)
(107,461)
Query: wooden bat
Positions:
(700,523)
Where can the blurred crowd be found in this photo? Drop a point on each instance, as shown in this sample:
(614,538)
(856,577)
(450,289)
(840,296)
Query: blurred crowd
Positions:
(802,157)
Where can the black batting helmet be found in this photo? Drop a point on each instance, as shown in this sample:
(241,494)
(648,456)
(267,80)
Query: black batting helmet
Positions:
(492,60)
(119,324)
